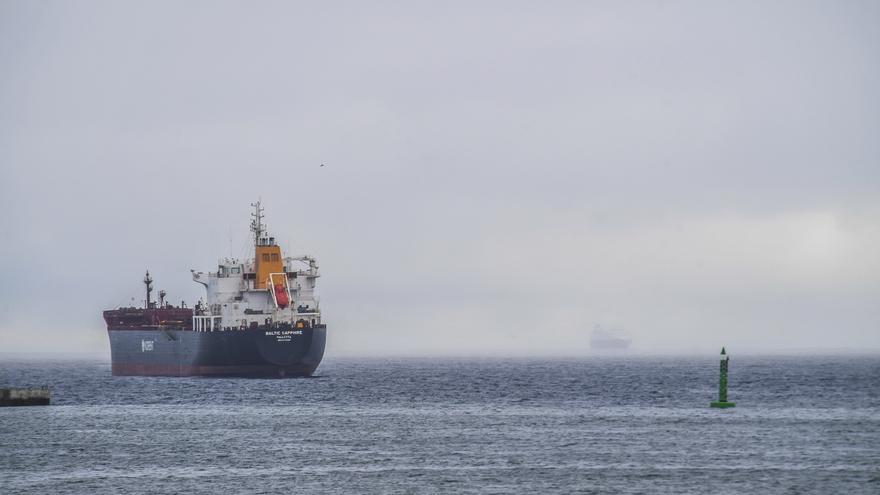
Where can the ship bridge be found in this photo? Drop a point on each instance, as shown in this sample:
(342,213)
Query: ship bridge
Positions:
(266,289)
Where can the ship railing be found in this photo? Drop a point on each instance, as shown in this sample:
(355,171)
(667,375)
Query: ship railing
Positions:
(208,323)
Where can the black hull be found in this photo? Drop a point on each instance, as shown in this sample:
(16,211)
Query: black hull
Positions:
(257,352)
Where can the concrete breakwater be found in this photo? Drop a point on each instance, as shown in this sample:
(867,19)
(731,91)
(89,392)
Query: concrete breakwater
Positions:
(24,396)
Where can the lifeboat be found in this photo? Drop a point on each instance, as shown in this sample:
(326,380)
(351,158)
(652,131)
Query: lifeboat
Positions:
(281,296)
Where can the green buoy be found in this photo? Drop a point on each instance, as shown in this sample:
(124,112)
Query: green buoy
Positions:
(722,384)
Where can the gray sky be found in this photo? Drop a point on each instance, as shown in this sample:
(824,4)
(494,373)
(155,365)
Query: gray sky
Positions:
(500,176)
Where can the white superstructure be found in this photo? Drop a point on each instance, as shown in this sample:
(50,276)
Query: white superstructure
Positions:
(265,290)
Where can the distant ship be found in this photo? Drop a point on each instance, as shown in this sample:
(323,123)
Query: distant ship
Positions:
(603,339)
(261,318)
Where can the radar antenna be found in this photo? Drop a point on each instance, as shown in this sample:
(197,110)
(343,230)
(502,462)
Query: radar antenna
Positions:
(257,226)
(148,281)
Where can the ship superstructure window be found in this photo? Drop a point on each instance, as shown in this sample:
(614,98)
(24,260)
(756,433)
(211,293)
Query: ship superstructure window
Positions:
(265,256)
(274,256)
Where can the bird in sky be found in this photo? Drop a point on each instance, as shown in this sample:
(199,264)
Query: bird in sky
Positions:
(322,164)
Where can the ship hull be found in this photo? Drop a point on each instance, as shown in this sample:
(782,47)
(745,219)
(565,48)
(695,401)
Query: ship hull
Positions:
(257,352)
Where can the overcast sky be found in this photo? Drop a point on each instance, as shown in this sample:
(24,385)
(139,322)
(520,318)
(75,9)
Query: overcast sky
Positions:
(500,176)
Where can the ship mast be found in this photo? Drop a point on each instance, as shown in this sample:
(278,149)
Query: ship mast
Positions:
(257,226)
(148,281)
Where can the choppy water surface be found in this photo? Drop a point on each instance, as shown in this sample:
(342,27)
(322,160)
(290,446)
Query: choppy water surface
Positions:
(598,425)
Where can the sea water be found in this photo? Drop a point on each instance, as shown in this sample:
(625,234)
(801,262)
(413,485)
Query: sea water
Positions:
(592,425)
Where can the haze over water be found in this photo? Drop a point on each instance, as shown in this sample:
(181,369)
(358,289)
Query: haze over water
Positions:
(499,176)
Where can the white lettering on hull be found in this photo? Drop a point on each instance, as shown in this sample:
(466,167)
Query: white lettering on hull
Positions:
(283,335)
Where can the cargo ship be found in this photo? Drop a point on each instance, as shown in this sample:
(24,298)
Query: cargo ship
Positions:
(604,340)
(260,318)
